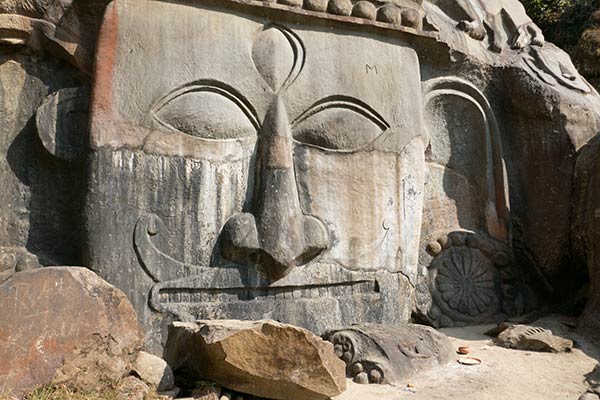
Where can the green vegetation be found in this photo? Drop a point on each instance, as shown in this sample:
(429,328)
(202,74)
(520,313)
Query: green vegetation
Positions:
(562,21)
(573,25)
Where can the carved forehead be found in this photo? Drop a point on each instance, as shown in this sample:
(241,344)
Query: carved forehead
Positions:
(165,46)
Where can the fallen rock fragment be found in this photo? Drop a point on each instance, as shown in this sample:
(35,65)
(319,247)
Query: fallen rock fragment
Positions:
(63,313)
(534,338)
(263,358)
(154,370)
(389,354)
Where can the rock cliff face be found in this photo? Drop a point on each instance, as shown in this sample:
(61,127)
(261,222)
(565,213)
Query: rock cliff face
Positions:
(586,233)
(323,163)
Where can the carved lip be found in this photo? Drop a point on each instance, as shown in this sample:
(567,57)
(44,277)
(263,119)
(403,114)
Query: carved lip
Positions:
(168,296)
(165,294)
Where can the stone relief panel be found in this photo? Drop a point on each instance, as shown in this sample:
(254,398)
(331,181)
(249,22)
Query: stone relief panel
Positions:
(379,354)
(467,260)
(259,173)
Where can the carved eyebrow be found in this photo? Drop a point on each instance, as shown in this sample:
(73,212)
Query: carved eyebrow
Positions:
(212,86)
(347,102)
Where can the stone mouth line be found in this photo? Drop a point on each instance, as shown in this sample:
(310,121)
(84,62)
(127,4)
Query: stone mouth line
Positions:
(204,295)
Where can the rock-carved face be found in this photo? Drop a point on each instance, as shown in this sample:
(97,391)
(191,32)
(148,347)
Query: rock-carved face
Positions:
(251,160)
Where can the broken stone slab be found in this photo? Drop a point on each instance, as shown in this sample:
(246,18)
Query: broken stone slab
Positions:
(262,358)
(389,354)
(526,337)
(154,370)
(55,314)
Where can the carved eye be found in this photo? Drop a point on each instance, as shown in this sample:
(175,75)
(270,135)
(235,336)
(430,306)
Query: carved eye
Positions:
(208,112)
(339,125)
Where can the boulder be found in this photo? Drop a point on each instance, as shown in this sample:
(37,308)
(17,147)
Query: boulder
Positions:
(154,370)
(586,230)
(535,338)
(55,314)
(263,358)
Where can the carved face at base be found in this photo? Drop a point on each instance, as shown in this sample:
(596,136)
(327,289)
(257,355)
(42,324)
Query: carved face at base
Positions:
(254,162)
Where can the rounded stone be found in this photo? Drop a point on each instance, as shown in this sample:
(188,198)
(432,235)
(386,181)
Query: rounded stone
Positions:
(434,248)
(292,3)
(362,378)
(411,18)
(501,259)
(340,7)
(338,350)
(375,376)
(446,322)
(316,5)
(154,370)
(365,9)
(472,241)
(589,396)
(347,357)
(357,368)
(459,238)
(435,312)
(444,241)
(390,14)
(7,262)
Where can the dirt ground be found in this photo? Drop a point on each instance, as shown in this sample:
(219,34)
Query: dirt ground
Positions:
(503,373)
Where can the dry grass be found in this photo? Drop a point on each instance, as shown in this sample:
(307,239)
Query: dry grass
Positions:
(62,392)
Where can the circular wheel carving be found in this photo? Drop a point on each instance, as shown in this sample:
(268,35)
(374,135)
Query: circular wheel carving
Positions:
(466,281)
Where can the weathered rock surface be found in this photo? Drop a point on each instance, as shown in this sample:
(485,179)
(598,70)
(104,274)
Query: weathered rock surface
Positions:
(390,354)
(586,229)
(63,313)
(154,370)
(262,358)
(525,337)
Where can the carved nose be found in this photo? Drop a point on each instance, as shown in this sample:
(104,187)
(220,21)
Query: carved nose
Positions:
(275,235)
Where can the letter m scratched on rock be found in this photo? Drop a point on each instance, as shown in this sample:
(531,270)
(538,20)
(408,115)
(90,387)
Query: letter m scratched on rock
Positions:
(371,69)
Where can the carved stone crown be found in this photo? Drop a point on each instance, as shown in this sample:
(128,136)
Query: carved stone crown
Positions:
(399,15)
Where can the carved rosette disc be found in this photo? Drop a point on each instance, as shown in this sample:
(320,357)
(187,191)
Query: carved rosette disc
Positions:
(466,279)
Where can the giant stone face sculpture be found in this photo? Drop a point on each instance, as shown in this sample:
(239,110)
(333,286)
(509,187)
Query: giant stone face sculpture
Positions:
(317,162)
(266,170)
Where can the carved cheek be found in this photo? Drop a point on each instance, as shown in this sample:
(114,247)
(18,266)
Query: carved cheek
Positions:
(357,196)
